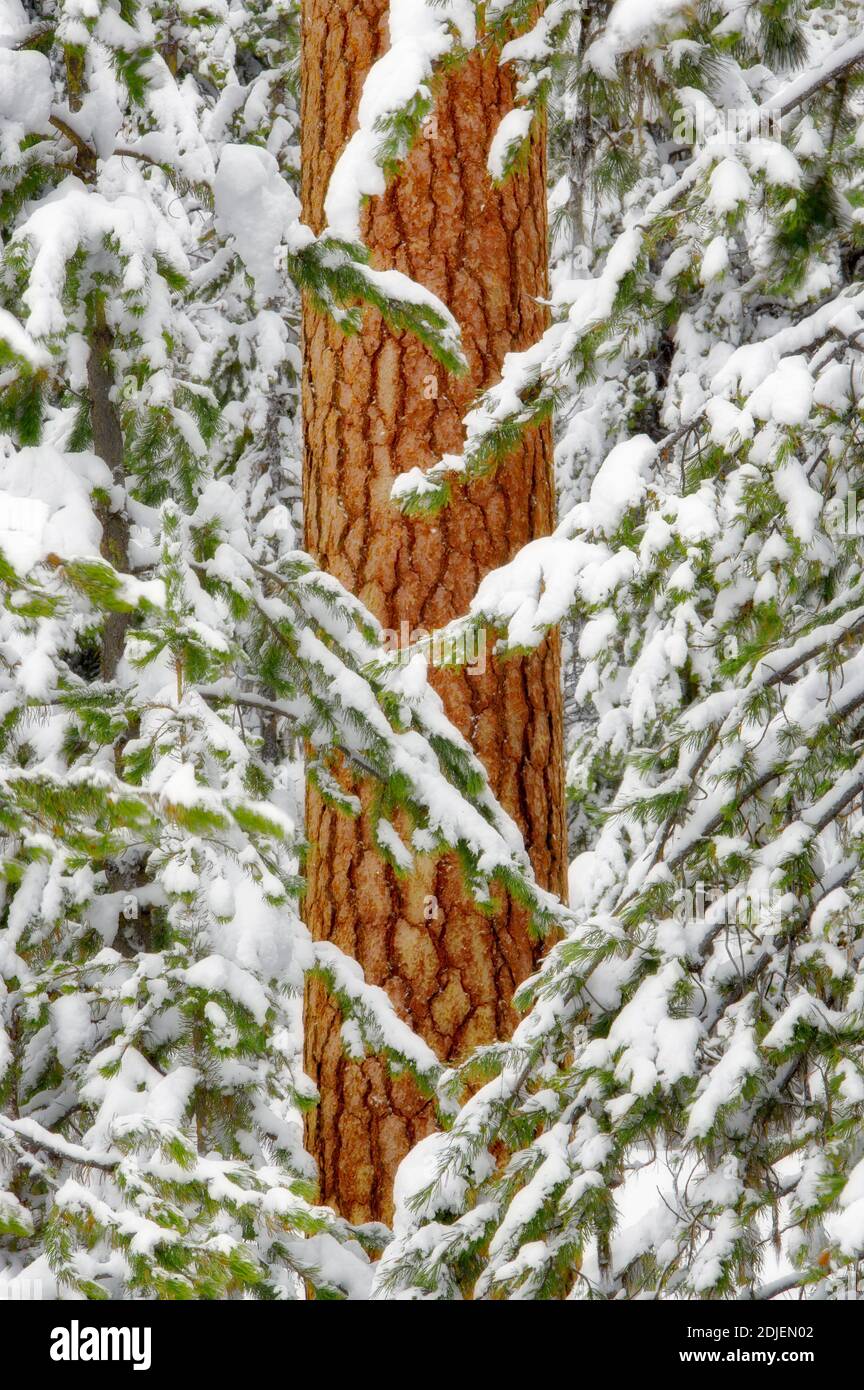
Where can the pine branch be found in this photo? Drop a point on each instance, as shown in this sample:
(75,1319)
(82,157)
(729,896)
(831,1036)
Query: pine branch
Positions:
(35,1137)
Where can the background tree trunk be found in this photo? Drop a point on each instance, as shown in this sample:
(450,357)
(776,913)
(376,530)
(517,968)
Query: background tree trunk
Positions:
(108,444)
(374,406)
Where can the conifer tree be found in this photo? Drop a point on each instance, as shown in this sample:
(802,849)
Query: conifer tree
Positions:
(165,648)
(373,406)
(678,1114)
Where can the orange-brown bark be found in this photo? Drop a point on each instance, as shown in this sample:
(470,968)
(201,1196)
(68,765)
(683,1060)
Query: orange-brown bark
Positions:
(374,406)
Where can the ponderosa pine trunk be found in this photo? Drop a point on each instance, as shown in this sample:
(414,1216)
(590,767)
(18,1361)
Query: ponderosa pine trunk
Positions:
(374,406)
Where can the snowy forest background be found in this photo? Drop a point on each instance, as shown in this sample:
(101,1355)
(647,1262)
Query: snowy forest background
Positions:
(679,1111)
